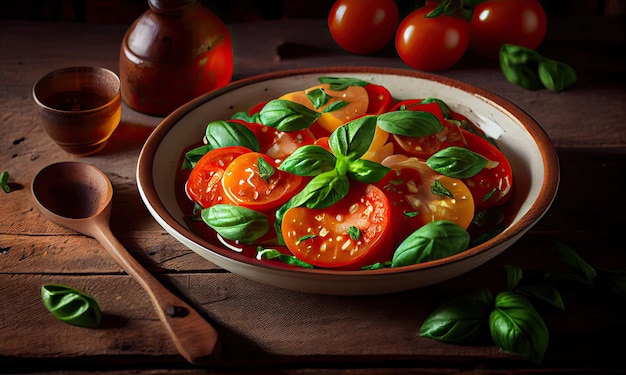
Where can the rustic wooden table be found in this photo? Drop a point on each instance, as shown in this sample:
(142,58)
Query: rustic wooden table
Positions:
(270,330)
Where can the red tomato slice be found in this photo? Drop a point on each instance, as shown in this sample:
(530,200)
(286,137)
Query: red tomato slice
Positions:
(321,237)
(244,185)
(278,144)
(380,99)
(493,185)
(204,184)
(424,147)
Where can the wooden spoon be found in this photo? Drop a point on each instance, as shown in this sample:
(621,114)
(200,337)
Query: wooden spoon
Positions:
(78,196)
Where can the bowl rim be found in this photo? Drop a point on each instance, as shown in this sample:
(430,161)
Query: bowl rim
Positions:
(547,193)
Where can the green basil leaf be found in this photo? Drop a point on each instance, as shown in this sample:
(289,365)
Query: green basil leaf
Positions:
(335,106)
(354,233)
(366,171)
(461,320)
(572,259)
(4,181)
(543,292)
(309,160)
(435,240)
(318,97)
(223,133)
(556,76)
(353,138)
(286,115)
(410,123)
(517,328)
(266,170)
(71,305)
(377,266)
(457,162)
(322,191)
(438,189)
(519,66)
(246,117)
(236,223)
(341,83)
(513,276)
(275,254)
(194,155)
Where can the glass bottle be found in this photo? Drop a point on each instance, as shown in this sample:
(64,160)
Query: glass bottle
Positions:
(174,52)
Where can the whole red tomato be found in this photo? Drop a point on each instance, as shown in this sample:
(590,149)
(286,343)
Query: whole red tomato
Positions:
(431,43)
(496,22)
(363,27)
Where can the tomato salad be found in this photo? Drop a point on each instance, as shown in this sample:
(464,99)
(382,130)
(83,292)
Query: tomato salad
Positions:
(342,175)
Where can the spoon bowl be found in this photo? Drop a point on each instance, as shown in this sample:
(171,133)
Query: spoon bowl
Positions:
(78,196)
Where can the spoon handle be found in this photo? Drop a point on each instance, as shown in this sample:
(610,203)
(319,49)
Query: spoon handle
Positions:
(194,337)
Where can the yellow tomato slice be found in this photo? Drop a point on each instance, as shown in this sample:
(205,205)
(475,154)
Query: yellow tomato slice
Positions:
(431,207)
(355,96)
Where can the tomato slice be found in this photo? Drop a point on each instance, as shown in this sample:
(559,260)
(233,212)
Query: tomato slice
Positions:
(246,186)
(278,144)
(493,185)
(204,185)
(380,99)
(321,237)
(424,147)
(355,96)
(408,187)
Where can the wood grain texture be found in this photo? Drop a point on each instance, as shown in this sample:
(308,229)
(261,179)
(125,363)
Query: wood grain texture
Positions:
(270,330)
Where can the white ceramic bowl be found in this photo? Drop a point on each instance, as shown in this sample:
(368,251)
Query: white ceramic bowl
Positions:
(528,148)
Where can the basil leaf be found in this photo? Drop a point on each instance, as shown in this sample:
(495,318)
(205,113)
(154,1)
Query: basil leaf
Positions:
(275,254)
(519,66)
(435,240)
(235,222)
(286,115)
(366,171)
(517,328)
(513,276)
(461,320)
(457,162)
(353,138)
(438,189)
(246,117)
(322,191)
(340,83)
(572,259)
(614,282)
(543,292)
(266,170)
(4,181)
(556,76)
(335,106)
(410,123)
(194,155)
(71,305)
(309,160)
(223,133)
(318,97)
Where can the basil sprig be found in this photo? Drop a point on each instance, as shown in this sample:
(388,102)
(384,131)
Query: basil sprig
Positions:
(530,70)
(286,115)
(71,306)
(435,240)
(236,222)
(457,162)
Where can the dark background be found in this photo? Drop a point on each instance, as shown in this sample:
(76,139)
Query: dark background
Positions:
(235,11)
